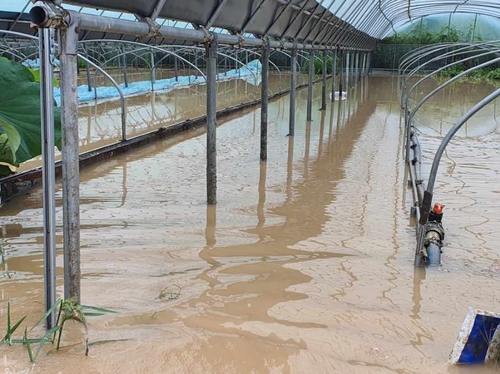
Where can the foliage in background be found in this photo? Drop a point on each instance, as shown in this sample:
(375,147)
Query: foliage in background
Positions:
(20,117)
(484,74)
(393,48)
(318,65)
(425,36)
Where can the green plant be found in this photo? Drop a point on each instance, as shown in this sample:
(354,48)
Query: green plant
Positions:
(318,65)
(7,339)
(452,71)
(36,75)
(20,119)
(67,310)
(171,292)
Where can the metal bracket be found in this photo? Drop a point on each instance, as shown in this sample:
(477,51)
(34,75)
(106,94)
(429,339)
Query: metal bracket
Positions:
(208,34)
(241,40)
(154,28)
(265,41)
(48,14)
(213,40)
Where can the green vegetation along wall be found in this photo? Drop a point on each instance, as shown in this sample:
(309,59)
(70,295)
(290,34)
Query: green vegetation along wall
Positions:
(20,119)
(432,30)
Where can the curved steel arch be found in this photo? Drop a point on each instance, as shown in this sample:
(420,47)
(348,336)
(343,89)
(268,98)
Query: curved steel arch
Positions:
(404,22)
(158,48)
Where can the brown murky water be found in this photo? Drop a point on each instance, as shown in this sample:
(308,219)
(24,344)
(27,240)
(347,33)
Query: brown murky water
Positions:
(305,265)
(100,122)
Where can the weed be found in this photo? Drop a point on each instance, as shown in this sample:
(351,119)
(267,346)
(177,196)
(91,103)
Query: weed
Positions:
(67,310)
(169,293)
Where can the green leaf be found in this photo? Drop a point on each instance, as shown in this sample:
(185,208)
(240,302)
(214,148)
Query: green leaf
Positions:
(56,304)
(100,342)
(10,140)
(20,110)
(102,310)
(93,314)
(22,341)
(27,344)
(36,75)
(13,329)
(45,339)
(6,168)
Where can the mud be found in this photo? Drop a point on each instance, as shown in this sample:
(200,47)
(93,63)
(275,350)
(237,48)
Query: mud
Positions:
(305,265)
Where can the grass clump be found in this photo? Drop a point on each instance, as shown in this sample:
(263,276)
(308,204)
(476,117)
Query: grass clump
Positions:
(67,310)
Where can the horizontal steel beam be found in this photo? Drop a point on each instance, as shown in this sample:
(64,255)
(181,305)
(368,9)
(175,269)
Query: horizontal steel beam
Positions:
(142,29)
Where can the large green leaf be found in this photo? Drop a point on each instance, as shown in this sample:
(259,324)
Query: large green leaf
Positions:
(36,76)
(20,111)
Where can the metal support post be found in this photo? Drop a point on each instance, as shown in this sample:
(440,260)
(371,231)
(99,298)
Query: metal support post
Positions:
(264,102)
(48,172)
(293,93)
(124,65)
(357,67)
(341,69)
(363,70)
(211,121)
(347,65)
(310,86)
(323,86)
(153,71)
(334,73)
(351,71)
(70,163)
(176,68)
(87,66)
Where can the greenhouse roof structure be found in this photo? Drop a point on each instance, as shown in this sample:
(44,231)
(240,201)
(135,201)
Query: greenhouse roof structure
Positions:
(344,23)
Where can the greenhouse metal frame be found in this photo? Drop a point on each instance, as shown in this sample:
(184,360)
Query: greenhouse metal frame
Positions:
(345,30)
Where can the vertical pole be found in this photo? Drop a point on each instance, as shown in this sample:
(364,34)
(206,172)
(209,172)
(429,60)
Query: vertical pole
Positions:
(293,87)
(365,64)
(323,86)
(124,64)
(357,67)
(334,73)
(89,85)
(176,69)
(341,69)
(351,69)
(264,101)
(48,172)
(153,71)
(310,86)
(212,121)
(70,164)
(474,32)
(195,63)
(347,65)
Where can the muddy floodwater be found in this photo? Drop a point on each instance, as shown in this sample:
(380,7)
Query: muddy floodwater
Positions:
(304,266)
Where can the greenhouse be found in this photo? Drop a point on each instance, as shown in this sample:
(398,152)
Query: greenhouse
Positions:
(260,186)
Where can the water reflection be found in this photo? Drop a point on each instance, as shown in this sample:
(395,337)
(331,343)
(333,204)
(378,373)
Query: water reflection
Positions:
(305,264)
